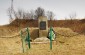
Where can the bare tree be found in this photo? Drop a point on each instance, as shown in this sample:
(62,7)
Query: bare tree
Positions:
(50,15)
(32,14)
(39,12)
(73,15)
(10,12)
(10,15)
(21,14)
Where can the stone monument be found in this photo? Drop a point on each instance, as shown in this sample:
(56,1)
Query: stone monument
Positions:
(43,26)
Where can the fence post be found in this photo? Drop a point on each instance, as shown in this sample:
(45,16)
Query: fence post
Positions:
(28,38)
(50,38)
(23,42)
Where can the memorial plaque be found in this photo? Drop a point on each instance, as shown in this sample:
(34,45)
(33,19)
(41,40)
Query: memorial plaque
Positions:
(42,25)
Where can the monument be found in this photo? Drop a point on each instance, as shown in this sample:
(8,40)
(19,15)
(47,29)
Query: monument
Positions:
(43,26)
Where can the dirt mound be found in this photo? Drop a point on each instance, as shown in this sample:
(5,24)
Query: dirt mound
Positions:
(6,31)
(67,32)
(33,32)
(75,25)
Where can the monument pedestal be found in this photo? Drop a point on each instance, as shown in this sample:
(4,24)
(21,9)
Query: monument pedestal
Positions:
(43,26)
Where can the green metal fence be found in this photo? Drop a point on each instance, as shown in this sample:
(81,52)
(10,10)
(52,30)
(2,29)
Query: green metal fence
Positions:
(50,38)
(25,40)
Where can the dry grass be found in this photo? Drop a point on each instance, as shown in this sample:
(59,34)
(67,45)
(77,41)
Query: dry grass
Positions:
(67,32)
(62,46)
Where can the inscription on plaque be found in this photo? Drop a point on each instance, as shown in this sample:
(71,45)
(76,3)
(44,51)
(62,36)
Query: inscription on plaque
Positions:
(42,25)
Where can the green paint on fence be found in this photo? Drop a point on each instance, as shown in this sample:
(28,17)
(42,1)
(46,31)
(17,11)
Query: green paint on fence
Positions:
(23,43)
(25,39)
(50,38)
(28,38)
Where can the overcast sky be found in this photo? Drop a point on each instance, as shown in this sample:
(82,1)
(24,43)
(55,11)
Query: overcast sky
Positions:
(61,8)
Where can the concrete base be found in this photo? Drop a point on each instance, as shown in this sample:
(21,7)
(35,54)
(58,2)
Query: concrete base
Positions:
(41,39)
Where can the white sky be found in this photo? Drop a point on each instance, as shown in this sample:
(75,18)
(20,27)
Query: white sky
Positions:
(61,8)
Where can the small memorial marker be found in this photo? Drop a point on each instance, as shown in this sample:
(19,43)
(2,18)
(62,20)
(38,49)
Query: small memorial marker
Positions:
(43,26)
